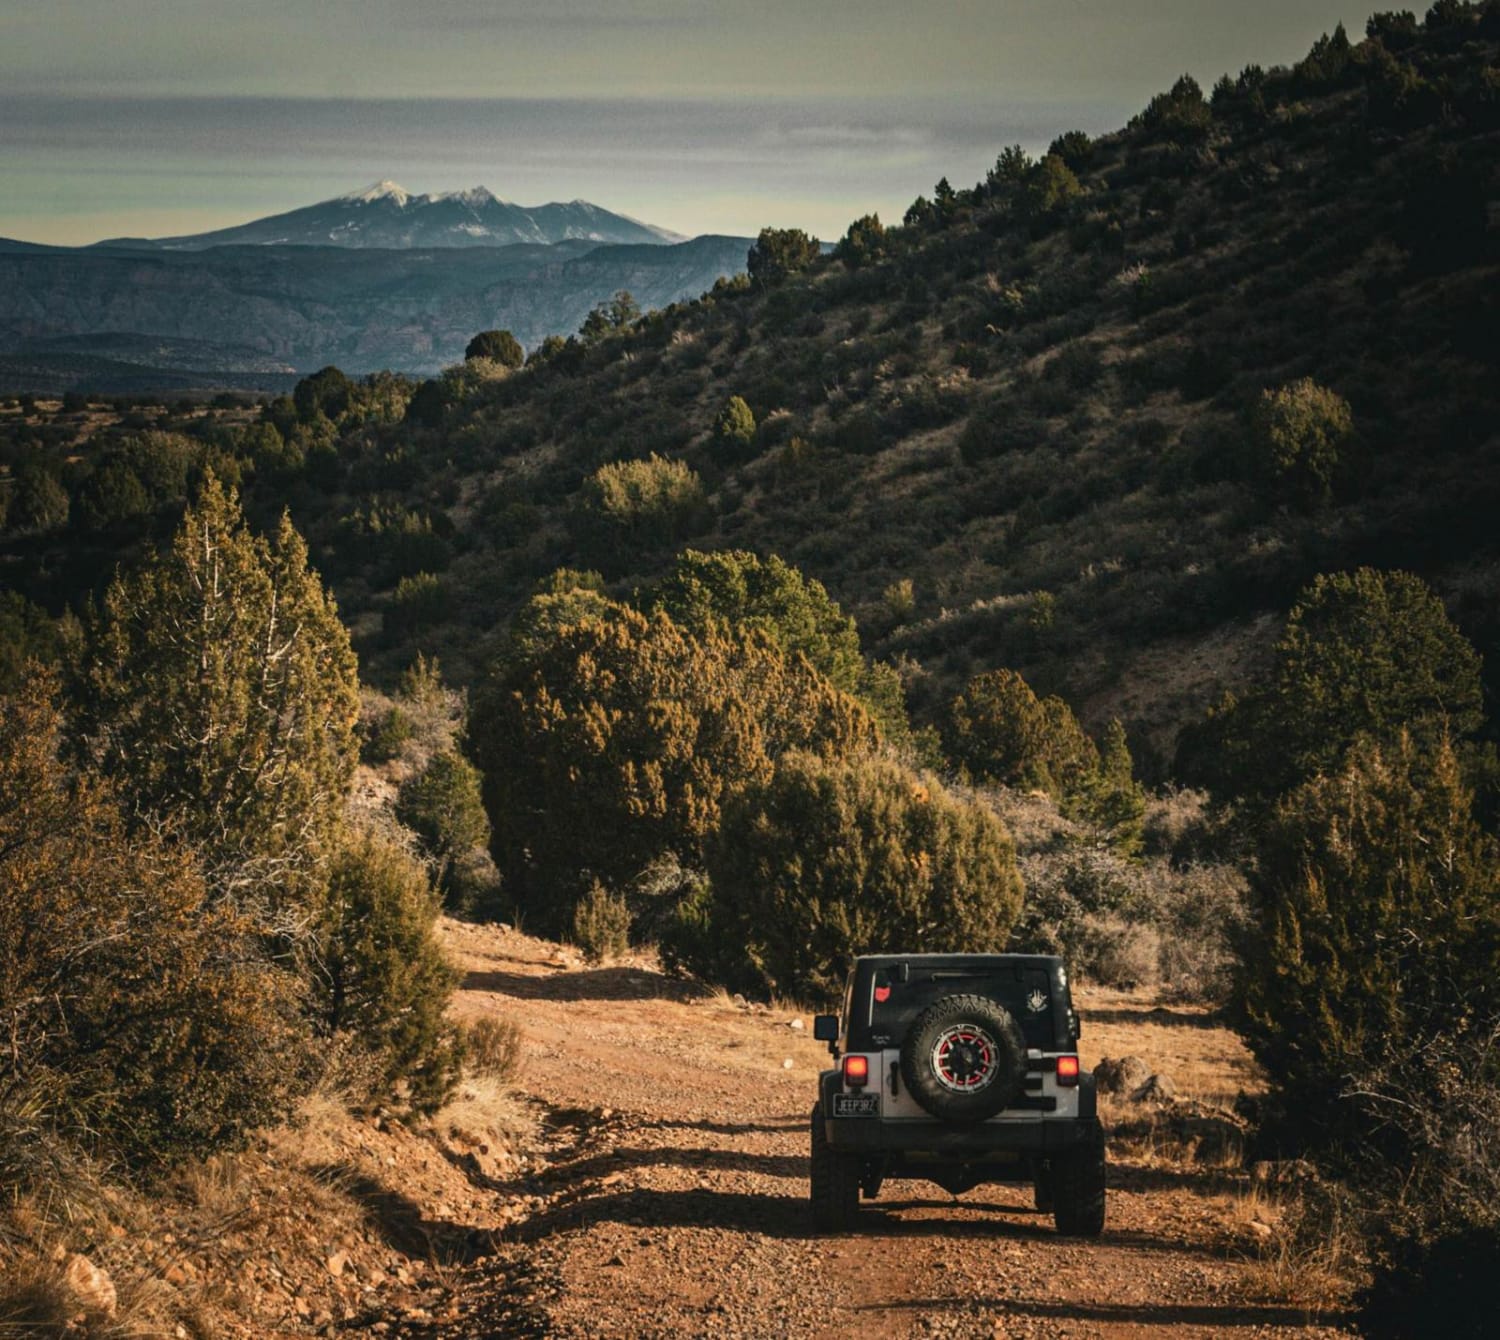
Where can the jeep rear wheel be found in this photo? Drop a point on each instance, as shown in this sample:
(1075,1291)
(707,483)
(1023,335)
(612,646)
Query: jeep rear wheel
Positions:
(964,1058)
(834,1182)
(1078,1189)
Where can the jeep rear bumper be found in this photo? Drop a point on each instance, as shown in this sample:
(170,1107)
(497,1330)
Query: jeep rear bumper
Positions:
(870,1135)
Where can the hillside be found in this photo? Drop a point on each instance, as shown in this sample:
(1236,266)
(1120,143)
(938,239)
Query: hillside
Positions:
(1038,416)
(1033,401)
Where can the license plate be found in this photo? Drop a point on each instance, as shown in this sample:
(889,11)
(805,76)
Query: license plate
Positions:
(856,1104)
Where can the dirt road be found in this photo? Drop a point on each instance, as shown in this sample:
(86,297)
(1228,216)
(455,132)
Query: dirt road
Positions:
(670,1199)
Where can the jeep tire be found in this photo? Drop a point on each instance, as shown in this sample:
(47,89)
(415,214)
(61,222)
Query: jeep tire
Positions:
(959,1041)
(1078,1189)
(834,1182)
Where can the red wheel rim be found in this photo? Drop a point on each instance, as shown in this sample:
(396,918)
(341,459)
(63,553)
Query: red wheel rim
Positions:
(964,1058)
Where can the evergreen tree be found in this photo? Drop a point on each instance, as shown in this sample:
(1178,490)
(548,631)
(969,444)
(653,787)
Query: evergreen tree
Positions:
(618,740)
(384,984)
(444,807)
(779,253)
(1111,798)
(220,692)
(134,1010)
(827,859)
(735,426)
(1297,432)
(1363,653)
(1379,932)
(499,346)
(863,243)
(736,589)
(998,730)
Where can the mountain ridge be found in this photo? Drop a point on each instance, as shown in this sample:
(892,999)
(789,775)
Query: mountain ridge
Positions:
(385,215)
(364,308)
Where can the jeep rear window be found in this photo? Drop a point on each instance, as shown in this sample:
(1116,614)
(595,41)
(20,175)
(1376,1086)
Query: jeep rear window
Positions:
(893,1005)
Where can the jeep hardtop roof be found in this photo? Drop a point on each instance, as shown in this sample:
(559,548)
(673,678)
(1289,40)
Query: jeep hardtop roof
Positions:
(880,1004)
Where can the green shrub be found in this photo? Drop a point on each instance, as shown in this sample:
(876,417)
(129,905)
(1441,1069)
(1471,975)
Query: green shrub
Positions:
(325,394)
(109,495)
(900,601)
(779,253)
(998,730)
(134,1005)
(1296,434)
(863,243)
(601,925)
(383,983)
(443,806)
(418,602)
(1363,653)
(735,589)
(825,860)
(617,739)
(386,736)
(1379,932)
(499,346)
(735,426)
(639,507)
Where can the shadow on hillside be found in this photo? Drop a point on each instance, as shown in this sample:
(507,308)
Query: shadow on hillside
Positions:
(1155,1316)
(400,1221)
(1158,1015)
(586,984)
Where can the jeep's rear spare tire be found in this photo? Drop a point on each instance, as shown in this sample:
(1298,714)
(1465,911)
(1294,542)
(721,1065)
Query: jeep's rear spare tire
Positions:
(964,1058)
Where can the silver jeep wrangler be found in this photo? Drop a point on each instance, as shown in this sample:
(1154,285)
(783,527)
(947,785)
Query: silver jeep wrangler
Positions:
(960,1069)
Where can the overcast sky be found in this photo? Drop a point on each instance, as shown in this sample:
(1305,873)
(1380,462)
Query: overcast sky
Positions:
(172,116)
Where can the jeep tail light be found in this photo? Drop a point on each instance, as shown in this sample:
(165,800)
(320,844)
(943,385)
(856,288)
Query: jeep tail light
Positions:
(856,1071)
(1067,1071)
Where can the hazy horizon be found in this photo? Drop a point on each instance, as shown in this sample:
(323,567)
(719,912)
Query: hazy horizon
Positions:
(174,118)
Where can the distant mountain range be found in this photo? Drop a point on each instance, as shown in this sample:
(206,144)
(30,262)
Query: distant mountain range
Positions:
(252,309)
(379,279)
(387,215)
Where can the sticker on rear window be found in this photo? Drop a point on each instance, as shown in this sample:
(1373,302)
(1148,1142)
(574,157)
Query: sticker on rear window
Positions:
(1036,1002)
(882,994)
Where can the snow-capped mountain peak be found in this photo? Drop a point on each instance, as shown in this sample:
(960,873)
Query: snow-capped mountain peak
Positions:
(387,215)
(476,196)
(381,190)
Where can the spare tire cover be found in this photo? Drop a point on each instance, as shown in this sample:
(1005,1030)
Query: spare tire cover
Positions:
(964,1058)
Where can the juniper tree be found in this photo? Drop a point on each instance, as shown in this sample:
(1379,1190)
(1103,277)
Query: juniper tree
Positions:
(619,737)
(499,346)
(829,858)
(1363,653)
(220,692)
(1379,933)
(132,1007)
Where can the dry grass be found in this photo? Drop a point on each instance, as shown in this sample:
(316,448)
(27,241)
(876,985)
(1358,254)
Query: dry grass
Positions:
(484,1111)
(1307,1256)
(494,1047)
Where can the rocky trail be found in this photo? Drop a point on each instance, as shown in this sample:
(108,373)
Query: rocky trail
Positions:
(665,1194)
